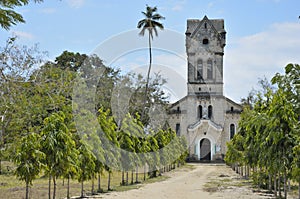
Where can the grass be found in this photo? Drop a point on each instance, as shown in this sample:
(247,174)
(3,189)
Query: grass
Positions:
(11,187)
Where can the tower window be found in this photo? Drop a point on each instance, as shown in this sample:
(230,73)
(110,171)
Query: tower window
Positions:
(200,115)
(199,69)
(232,131)
(210,111)
(178,129)
(205,41)
(205,25)
(209,69)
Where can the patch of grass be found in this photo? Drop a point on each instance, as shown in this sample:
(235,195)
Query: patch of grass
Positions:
(220,183)
(11,187)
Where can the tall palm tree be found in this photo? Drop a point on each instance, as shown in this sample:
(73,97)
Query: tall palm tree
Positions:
(150,24)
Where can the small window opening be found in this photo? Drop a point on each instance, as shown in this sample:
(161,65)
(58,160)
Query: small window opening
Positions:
(205,25)
(231,109)
(205,41)
(210,111)
(232,130)
(178,129)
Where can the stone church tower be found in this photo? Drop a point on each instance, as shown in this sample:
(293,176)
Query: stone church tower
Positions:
(205,116)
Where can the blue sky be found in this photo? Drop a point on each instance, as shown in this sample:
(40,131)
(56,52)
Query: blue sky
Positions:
(262,35)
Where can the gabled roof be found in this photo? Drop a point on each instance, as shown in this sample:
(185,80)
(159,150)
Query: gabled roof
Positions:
(233,102)
(192,30)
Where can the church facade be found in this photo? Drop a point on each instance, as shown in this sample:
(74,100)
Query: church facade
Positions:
(205,116)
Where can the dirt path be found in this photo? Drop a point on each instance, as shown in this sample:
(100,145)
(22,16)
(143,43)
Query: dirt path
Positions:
(203,181)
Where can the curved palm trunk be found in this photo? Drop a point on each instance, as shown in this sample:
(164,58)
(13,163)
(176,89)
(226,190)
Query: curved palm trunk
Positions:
(149,69)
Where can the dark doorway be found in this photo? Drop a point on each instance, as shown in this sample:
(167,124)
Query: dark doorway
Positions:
(205,152)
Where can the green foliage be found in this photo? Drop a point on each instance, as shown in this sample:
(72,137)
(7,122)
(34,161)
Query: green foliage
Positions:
(28,158)
(8,16)
(150,22)
(269,135)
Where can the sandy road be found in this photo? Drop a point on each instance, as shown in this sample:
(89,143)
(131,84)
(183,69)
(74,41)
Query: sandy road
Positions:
(190,184)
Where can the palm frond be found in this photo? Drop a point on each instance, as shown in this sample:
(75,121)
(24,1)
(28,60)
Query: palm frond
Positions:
(157,17)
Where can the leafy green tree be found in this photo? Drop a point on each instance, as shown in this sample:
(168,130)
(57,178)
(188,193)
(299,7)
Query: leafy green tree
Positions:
(28,159)
(268,135)
(128,137)
(86,165)
(59,147)
(8,16)
(150,23)
(17,63)
(109,140)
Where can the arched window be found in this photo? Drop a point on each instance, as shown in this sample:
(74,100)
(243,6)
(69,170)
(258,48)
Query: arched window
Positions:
(199,69)
(210,111)
(232,130)
(209,69)
(205,41)
(200,112)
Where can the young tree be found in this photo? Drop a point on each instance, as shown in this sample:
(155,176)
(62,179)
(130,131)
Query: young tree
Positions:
(59,147)
(86,160)
(28,159)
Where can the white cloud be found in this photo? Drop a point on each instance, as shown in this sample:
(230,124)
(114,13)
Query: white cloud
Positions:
(23,35)
(179,5)
(76,3)
(48,10)
(262,54)
(210,4)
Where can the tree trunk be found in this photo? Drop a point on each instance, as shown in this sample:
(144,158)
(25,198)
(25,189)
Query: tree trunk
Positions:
(144,172)
(68,188)
(279,185)
(132,176)
(54,187)
(81,189)
(143,116)
(126,177)
(93,184)
(49,187)
(242,170)
(108,183)
(27,191)
(284,185)
(136,174)
(275,186)
(99,183)
(270,182)
(299,187)
(149,69)
(123,180)
(0,166)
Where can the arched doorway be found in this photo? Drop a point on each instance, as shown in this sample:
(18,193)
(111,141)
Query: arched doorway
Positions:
(205,152)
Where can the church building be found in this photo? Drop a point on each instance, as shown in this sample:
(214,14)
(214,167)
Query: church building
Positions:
(205,116)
